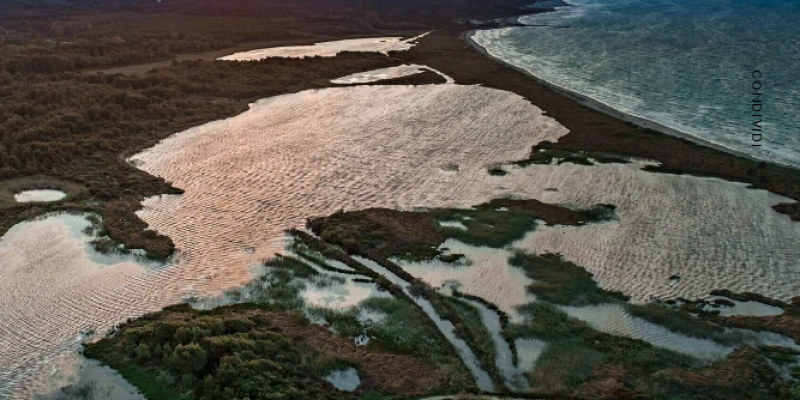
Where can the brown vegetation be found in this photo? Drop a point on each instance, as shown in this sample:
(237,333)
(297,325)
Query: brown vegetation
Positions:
(381,233)
(786,324)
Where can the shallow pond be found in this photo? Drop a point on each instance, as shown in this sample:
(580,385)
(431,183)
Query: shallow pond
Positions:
(78,378)
(346,380)
(615,320)
(528,351)
(39,195)
(750,308)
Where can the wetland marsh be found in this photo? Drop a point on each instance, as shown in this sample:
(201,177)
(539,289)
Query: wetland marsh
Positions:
(435,237)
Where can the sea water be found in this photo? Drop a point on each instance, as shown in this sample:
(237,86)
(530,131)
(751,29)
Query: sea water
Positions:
(687,65)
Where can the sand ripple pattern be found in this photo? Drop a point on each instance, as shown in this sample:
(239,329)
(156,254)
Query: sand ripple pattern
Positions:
(250,177)
(312,153)
(51,290)
(309,154)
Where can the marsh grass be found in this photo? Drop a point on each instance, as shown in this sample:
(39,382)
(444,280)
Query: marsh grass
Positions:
(280,285)
(680,321)
(562,282)
(474,332)
(574,349)
(317,258)
(405,330)
(563,366)
(486,226)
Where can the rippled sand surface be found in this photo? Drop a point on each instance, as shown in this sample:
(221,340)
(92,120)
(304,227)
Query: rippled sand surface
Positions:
(310,154)
(485,272)
(326,49)
(52,287)
(713,234)
(250,177)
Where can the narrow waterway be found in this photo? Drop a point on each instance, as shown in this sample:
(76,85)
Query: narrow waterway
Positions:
(482,379)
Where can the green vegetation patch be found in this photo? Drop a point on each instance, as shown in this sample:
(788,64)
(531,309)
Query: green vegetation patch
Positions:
(562,282)
(403,329)
(682,322)
(280,285)
(574,351)
(563,366)
(382,233)
(486,225)
(213,355)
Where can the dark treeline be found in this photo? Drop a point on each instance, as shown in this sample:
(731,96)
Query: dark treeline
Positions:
(79,127)
(59,119)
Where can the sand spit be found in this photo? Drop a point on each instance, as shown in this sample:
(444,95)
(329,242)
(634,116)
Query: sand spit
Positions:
(386,74)
(328,49)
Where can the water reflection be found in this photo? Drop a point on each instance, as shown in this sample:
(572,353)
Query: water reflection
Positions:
(54,284)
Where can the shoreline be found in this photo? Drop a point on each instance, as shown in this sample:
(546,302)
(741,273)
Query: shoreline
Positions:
(609,110)
(596,128)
